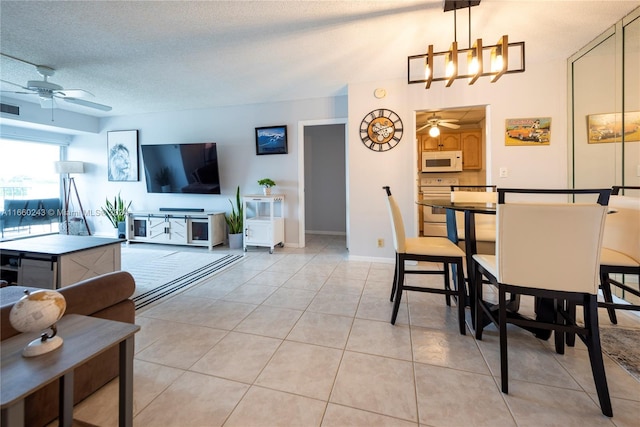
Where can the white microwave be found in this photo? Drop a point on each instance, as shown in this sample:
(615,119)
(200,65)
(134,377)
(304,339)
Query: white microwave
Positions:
(441,161)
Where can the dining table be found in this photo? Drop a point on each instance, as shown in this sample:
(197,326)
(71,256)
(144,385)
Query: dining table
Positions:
(544,307)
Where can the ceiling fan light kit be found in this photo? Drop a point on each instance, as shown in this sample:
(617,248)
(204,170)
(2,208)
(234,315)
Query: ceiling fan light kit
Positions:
(457,63)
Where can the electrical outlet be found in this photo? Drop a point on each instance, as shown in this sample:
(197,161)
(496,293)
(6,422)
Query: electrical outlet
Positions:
(380,243)
(504,172)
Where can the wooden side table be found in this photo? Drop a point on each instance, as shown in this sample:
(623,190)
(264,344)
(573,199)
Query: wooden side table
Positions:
(84,338)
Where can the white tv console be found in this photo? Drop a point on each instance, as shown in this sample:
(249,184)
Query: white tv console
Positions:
(177,228)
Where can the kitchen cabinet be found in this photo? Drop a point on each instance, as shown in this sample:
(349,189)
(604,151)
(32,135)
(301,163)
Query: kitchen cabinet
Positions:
(471,143)
(467,141)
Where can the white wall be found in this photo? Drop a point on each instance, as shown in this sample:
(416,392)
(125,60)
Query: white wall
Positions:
(541,91)
(232,128)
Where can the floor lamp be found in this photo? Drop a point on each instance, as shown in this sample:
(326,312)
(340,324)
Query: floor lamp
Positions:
(67,168)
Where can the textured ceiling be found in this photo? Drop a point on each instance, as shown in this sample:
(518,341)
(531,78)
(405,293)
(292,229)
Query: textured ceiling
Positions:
(150,56)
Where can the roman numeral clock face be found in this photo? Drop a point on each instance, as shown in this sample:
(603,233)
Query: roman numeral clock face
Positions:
(381,130)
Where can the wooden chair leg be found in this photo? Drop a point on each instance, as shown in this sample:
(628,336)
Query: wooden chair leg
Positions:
(504,362)
(462,296)
(595,353)
(571,336)
(559,337)
(605,285)
(447,284)
(395,279)
(399,287)
(476,293)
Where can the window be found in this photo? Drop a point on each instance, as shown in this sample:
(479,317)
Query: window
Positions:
(27,172)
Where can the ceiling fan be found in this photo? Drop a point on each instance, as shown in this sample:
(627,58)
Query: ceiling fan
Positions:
(48,92)
(435,121)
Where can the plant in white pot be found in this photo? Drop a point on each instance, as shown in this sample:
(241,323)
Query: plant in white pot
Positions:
(116,212)
(234,220)
(266,184)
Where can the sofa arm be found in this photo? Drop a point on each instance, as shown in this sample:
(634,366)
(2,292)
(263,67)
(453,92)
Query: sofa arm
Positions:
(97,293)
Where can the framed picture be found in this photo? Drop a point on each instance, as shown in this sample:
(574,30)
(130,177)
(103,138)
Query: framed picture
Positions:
(528,131)
(603,128)
(271,140)
(122,155)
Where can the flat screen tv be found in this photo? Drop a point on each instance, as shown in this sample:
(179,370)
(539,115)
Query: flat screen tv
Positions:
(181,168)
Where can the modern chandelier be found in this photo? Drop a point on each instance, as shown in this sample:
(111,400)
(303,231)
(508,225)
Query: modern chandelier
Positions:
(471,63)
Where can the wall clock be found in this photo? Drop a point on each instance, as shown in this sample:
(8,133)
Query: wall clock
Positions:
(381,130)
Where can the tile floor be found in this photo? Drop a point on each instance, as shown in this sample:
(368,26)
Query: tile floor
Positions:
(302,338)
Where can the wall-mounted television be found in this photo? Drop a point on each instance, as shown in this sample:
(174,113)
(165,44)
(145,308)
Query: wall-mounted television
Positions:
(181,168)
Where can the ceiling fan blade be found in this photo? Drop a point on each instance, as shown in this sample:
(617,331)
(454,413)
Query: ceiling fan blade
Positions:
(449,125)
(74,93)
(448,120)
(15,84)
(423,127)
(87,104)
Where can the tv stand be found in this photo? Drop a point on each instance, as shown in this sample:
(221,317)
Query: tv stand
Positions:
(180,227)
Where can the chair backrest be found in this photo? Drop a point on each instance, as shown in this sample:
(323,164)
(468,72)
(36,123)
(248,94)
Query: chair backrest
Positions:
(622,226)
(474,194)
(550,246)
(397,225)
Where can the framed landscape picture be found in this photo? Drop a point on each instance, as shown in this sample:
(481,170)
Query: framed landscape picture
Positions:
(271,140)
(603,128)
(122,155)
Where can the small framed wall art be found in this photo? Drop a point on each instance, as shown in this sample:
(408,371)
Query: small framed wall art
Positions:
(271,140)
(607,127)
(122,155)
(528,131)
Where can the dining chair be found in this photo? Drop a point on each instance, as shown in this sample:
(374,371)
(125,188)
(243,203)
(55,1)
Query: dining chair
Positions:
(424,249)
(620,248)
(485,224)
(551,251)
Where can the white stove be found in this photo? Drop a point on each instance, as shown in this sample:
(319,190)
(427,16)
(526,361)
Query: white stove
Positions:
(434,220)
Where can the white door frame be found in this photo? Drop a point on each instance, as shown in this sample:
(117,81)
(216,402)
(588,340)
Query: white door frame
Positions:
(301,184)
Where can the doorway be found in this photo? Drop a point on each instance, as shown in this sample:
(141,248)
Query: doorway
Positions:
(323,178)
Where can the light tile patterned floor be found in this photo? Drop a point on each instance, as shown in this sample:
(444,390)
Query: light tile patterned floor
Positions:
(302,338)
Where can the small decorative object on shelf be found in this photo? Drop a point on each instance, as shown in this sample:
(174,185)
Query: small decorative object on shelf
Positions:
(37,312)
(266,184)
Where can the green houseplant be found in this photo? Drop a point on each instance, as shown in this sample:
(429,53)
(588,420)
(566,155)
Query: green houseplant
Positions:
(266,184)
(116,212)
(235,222)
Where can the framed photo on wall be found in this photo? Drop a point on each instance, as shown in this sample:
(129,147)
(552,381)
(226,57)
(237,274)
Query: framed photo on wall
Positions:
(271,140)
(122,155)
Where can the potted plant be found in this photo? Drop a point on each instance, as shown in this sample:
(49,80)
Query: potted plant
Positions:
(116,212)
(163,178)
(234,221)
(266,184)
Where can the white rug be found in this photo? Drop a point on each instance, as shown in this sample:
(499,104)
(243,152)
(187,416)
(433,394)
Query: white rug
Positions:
(160,273)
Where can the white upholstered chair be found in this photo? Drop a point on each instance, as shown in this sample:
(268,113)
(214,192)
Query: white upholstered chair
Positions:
(620,249)
(485,224)
(551,251)
(429,249)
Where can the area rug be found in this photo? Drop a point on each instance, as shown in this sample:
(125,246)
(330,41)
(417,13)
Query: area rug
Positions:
(623,345)
(160,274)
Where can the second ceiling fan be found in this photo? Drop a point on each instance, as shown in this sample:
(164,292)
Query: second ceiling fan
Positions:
(434,121)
